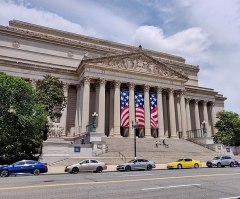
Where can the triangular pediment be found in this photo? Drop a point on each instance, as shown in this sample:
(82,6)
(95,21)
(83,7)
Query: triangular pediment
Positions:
(138,62)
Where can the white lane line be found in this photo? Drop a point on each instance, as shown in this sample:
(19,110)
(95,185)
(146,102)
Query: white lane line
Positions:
(183,185)
(236,197)
(136,175)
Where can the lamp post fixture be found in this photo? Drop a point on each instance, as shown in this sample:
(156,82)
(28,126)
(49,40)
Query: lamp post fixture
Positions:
(135,126)
(95,115)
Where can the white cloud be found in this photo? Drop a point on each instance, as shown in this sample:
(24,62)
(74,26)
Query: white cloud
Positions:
(20,11)
(190,43)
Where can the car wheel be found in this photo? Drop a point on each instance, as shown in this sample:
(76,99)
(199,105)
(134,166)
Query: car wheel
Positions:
(4,173)
(99,169)
(179,166)
(36,172)
(209,166)
(196,165)
(149,167)
(75,170)
(231,164)
(219,165)
(127,168)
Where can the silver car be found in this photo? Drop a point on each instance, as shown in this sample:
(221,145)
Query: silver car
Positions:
(87,165)
(137,164)
(221,161)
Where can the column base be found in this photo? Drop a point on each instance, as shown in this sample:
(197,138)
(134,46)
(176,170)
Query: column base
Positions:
(174,137)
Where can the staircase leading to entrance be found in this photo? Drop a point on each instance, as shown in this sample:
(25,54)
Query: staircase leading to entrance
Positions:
(146,148)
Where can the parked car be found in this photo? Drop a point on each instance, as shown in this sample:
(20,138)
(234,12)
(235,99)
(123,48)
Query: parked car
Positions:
(86,165)
(184,163)
(221,161)
(236,163)
(137,164)
(22,167)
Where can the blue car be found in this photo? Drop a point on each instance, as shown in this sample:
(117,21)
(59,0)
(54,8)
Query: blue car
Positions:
(22,167)
(236,163)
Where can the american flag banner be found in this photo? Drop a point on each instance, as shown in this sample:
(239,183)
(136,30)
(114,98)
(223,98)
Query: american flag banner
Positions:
(139,108)
(124,108)
(153,111)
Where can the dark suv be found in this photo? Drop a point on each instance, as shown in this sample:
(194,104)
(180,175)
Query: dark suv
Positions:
(221,161)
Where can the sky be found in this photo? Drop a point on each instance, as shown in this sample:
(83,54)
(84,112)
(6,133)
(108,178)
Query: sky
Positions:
(204,32)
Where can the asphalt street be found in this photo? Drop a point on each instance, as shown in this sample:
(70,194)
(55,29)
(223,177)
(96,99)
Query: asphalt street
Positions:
(210,183)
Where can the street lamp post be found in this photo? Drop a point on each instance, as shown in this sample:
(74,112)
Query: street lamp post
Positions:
(134,126)
(95,115)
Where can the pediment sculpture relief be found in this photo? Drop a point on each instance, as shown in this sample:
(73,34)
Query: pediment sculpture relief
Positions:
(140,64)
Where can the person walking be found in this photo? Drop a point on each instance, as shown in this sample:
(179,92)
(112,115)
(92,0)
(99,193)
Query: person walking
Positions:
(156,144)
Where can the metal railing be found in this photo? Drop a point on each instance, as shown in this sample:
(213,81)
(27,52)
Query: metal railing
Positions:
(196,133)
(122,156)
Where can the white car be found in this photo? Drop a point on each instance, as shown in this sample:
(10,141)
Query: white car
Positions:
(137,164)
(86,165)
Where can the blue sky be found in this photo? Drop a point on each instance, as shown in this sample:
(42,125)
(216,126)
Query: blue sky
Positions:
(205,33)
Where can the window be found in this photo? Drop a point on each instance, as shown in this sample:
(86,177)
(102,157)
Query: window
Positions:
(188,160)
(30,162)
(93,161)
(19,163)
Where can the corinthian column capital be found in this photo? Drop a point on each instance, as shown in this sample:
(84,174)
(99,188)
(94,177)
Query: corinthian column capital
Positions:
(131,86)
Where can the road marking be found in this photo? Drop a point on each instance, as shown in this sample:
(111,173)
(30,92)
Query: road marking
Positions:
(176,186)
(136,175)
(116,181)
(236,197)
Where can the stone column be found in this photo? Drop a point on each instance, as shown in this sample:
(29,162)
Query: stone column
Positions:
(147,111)
(131,108)
(81,106)
(179,114)
(205,117)
(197,120)
(189,127)
(77,110)
(101,107)
(97,91)
(117,108)
(111,112)
(160,113)
(165,117)
(63,119)
(213,115)
(183,115)
(172,114)
(85,103)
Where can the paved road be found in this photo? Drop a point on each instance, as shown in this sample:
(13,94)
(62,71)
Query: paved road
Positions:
(186,183)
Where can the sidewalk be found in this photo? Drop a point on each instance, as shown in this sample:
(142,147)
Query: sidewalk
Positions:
(60,169)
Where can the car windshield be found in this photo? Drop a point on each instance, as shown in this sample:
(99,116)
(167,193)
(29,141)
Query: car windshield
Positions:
(131,161)
(179,160)
(216,158)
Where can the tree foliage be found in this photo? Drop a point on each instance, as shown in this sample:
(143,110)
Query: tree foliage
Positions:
(228,127)
(22,120)
(50,93)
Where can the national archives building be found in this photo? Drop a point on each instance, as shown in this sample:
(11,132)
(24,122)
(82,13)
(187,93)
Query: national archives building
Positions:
(112,83)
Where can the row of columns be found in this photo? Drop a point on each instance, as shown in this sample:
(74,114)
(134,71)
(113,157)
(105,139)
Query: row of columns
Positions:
(183,110)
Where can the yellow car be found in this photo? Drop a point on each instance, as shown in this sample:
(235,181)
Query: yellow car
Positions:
(184,163)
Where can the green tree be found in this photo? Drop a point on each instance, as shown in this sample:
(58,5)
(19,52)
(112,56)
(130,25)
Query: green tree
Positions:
(228,127)
(50,93)
(22,120)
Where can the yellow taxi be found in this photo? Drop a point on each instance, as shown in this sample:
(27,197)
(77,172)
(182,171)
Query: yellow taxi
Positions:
(184,163)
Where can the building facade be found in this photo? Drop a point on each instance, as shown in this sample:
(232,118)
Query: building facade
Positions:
(96,73)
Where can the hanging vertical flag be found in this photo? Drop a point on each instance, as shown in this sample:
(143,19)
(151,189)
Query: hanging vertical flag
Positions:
(139,108)
(124,108)
(153,111)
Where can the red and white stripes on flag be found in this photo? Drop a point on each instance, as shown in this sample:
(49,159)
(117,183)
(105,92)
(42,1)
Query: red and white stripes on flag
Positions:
(139,109)
(124,108)
(153,111)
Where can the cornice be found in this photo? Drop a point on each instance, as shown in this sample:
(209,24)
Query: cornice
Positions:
(87,39)
(35,67)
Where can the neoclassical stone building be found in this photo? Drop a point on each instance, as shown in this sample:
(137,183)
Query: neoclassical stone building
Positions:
(96,71)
